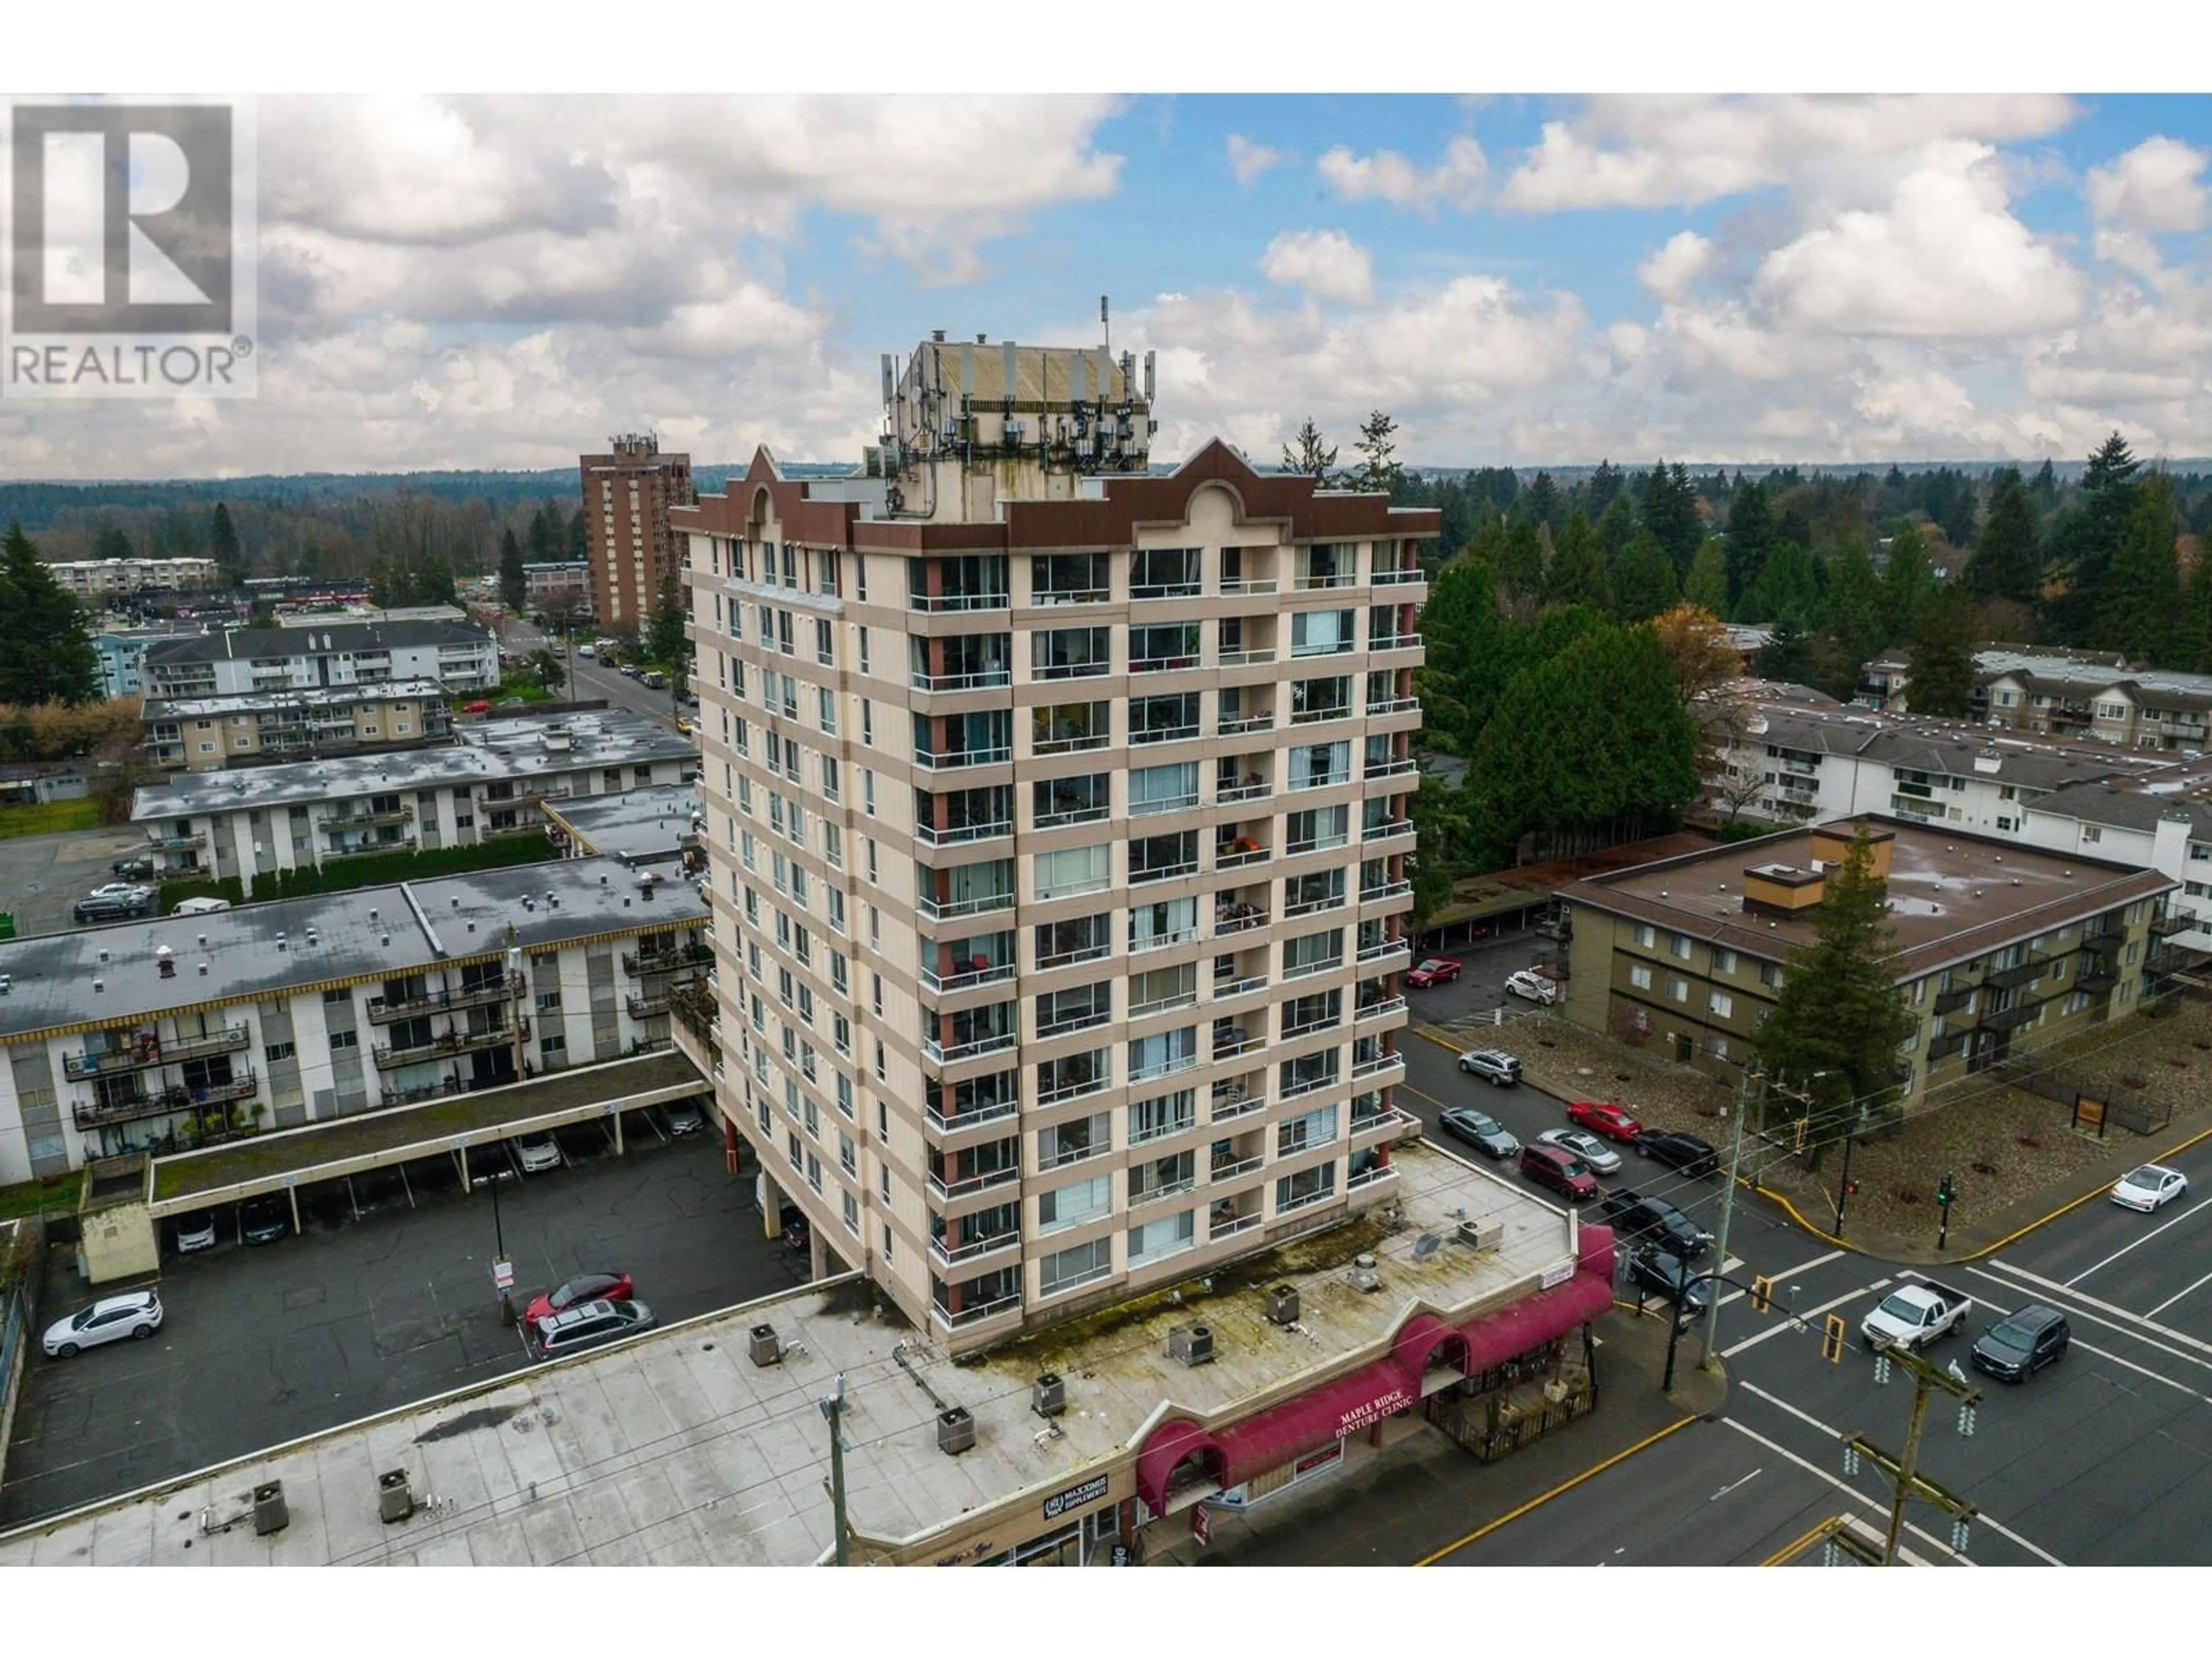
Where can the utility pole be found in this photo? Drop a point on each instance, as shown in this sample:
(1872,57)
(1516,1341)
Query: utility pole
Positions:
(1906,1479)
(1712,1340)
(833,1409)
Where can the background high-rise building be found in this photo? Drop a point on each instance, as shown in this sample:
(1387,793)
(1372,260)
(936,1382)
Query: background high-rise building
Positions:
(1058,823)
(627,497)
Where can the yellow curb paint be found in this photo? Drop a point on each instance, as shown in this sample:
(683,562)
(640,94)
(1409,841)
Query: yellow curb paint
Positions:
(1621,1455)
(1824,1238)
(1796,1547)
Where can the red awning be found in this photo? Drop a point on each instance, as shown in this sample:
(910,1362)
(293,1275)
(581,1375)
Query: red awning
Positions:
(1496,1337)
(1417,1346)
(1595,1251)
(1330,1412)
(1165,1447)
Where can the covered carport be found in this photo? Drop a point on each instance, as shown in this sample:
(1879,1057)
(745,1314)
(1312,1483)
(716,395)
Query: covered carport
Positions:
(337,1150)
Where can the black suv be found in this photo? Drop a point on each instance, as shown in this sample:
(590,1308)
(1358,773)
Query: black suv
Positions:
(1678,1151)
(1668,1278)
(114,907)
(1654,1221)
(2015,1348)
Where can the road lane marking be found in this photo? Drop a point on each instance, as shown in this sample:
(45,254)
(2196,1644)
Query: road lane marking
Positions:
(2144,1239)
(1854,1494)
(2176,1296)
(2105,1353)
(1834,1433)
(1723,1491)
(1786,1321)
(1789,1273)
(1622,1455)
(2118,1312)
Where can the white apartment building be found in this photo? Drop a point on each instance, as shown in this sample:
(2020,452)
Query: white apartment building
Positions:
(98,579)
(186,1030)
(230,662)
(251,821)
(1061,814)
(2085,696)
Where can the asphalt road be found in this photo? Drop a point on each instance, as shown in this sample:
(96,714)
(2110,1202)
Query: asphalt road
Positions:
(265,1344)
(42,876)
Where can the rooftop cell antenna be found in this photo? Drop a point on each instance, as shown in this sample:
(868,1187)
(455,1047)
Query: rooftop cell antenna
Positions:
(1106,327)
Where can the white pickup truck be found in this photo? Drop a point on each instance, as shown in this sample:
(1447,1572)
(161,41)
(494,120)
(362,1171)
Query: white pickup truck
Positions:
(1914,1315)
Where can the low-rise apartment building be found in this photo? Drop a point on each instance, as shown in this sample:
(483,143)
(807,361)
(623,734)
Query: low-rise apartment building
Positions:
(207,734)
(171,1033)
(2001,948)
(548,583)
(2086,696)
(235,661)
(250,821)
(91,580)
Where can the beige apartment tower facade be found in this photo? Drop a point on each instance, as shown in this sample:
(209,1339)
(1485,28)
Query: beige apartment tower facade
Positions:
(1058,817)
(629,493)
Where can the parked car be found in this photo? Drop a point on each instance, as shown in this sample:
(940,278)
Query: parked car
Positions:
(538,1152)
(584,1287)
(626,670)
(2015,1348)
(586,1326)
(1479,1130)
(134,1314)
(1636,1217)
(114,907)
(1679,1150)
(1537,987)
(587,651)
(1667,1277)
(2149,1186)
(1555,1167)
(1600,1157)
(481,705)
(796,1233)
(133,869)
(1604,1118)
(684,725)
(653,680)
(1433,970)
(684,1118)
(195,1231)
(265,1219)
(121,889)
(1500,1067)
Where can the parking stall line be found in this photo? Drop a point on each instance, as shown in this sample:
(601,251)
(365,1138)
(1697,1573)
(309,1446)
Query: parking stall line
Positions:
(1786,1321)
(2143,1239)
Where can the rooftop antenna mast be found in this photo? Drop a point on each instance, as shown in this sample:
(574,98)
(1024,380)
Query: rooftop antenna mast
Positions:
(1106,326)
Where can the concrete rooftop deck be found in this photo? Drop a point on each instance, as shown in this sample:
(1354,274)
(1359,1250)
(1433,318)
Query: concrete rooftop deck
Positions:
(676,1448)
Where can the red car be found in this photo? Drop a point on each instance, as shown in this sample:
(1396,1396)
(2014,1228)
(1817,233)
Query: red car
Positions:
(1603,1118)
(1436,970)
(584,1287)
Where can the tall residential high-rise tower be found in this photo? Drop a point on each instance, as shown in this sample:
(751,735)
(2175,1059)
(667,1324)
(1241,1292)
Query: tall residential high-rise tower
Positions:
(1058,822)
(628,494)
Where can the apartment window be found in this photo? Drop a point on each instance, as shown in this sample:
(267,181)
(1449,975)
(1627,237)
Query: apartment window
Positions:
(1071,1143)
(1320,700)
(849,1154)
(1769,975)
(840,1034)
(1084,798)
(1160,1056)
(1163,1176)
(1158,858)
(1306,1073)
(1163,1116)
(864,650)
(1639,976)
(868,723)
(849,1206)
(876,988)
(1164,720)
(1678,945)
(1074,870)
(832,778)
(1678,989)
(1162,647)
(1320,765)
(822,633)
(1724,961)
(1295,1192)
(1321,633)
(1318,829)
(1171,922)
(836,901)
(345,1039)
(1068,654)
(1069,579)
(1169,1235)
(1063,728)
(1083,938)
(1313,952)
(1164,572)
(276,1051)
(1304,1132)
(1644,936)
(1720,1003)
(1062,1208)
(868,805)
(828,709)
(814,1172)
(1079,1264)
(1061,1012)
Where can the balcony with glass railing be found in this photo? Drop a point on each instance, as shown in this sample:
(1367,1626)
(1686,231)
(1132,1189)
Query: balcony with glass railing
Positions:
(960,662)
(1237,1097)
(1073,1077)
(968,890)
(942,742)
(955,817)
(988,1298)
(960,964)
(147,1051)
(951,1108)
(971,1033)
(1240,844)
(975,1169)
(1243,718)
(1241,909)
(955,584)
(1243,777)
(969,1239)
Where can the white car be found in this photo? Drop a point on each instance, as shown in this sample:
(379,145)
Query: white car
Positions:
(196,1231)
(1528,982)
(1601,1158)
(130,890)
(538,1152)
(2149,1186)
(137,1313)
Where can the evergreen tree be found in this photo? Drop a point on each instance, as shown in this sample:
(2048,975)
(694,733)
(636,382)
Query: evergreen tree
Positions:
(2141,598)
(1642,580)
(1787,654)
(542,538)
(2005,564)
(579,547)
(1378,468)
(2091,539)
(1839,1016)
(513,584)
(1856,615)
(1616,528)
(1578,572)
(1521,567)
(1462,634)
(2192,644)
(1440,837)
(1906,583)
(1750,540)
(1314,458)
(1707,583)
(1542,502)
(664,640)
(2046,487)
(111,544)
(1670,513)
(1604,488)
(45,656)
(222,547)
(1788,586)
(1940,663)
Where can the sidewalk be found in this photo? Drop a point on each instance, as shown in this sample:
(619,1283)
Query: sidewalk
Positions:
(1422,1492)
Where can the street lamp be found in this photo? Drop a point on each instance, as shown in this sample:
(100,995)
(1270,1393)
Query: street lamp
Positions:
(501,1269)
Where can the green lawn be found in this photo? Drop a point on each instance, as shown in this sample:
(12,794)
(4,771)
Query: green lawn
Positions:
(55,1198)
(369,869)
(51,817)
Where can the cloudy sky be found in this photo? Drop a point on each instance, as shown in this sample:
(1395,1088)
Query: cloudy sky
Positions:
(499,281)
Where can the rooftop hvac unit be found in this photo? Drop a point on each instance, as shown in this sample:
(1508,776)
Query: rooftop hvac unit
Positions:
(1282,1306)
(1049,1395)
(955,1430)
(394,1501)
(1482,1234)
(1191,1344)
(271,1513)
(764,1347)
(1366,1276)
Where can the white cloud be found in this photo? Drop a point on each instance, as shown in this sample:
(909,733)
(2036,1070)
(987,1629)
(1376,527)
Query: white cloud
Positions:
(1326,264)
(1675,266)
(1457,180)
(2155,187)
(1248,160)
(1945,258)
(1679,150)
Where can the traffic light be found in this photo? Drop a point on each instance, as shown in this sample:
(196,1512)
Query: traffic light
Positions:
(1762,1294)
(1947,1192)
(1800,1145)
(1832,1339)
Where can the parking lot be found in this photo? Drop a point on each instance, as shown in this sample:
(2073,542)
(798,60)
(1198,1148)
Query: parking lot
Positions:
(42,876)
(266,1344)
